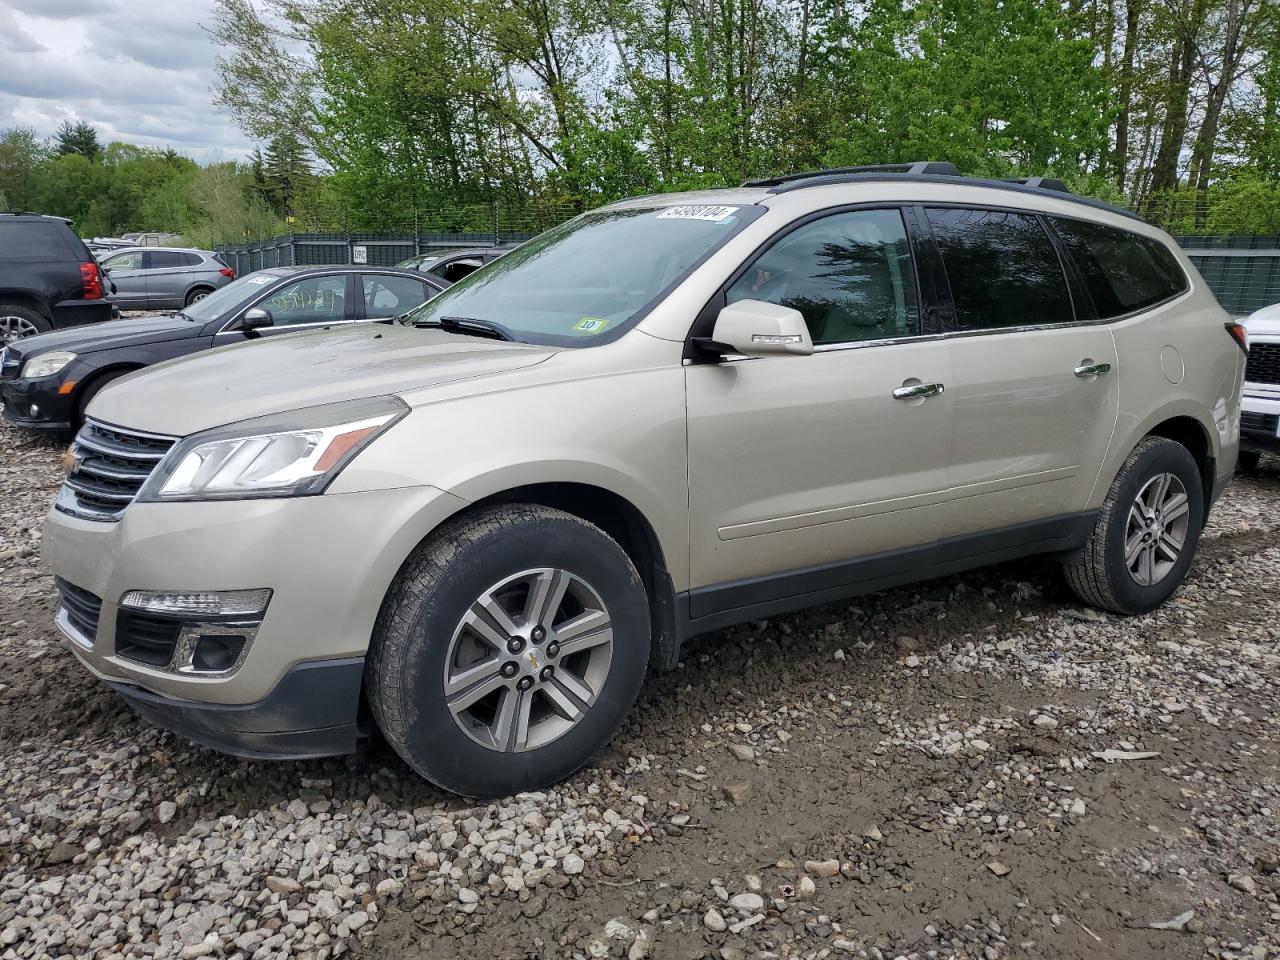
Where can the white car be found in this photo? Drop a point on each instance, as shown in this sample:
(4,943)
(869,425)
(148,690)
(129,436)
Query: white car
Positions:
(1260,408)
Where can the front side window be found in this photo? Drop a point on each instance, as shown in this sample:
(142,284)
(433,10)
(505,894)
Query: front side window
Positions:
(1122,271)
(314,300)
(850,275)
(124,261)
(391,296)
(1002,267)
(586,281)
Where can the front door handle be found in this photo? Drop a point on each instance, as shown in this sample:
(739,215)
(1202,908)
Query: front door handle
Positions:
(918,391)
(1090,369)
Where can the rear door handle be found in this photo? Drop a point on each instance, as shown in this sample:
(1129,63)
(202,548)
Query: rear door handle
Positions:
(1088,369)
(918,391)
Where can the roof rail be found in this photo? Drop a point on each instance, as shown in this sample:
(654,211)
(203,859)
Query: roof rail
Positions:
(934,168)
(1039,183)
(32,213)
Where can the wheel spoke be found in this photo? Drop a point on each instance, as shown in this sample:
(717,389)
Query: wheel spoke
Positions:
(589,622)
(1159,487)
(492,623)
(563,702)
(511,726)
(1175,507)
(1170,546)
(474,683)
(586,641)
(574,686)
(1146,565)
(1131,548)
(546,593)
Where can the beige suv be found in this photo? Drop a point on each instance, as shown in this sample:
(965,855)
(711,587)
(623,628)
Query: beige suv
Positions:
(487,522)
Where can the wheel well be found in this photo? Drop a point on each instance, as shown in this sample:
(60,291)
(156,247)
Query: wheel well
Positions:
(25,300)
(87,383)
(1188,432)
(622,521)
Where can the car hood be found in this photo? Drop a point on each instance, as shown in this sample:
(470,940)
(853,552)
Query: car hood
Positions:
(111,334)
(276,374)
(1264,322)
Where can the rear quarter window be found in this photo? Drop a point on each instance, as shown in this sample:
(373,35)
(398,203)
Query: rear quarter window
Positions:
(1122,271)
(33,240)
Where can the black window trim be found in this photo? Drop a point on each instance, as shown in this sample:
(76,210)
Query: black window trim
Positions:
(1187,288)
(704,321)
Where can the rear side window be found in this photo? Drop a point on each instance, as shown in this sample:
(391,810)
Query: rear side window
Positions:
(192,259)
(1123,271)
(162,259)
(1002,267)
(32,240)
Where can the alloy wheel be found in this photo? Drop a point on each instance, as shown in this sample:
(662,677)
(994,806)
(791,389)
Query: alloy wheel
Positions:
(528,660)
(1156,532)
(13,329)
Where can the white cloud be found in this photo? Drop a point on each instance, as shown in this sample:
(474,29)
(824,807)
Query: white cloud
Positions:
(139,72)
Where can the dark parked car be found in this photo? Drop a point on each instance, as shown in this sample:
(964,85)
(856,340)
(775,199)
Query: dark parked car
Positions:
(164,278)
(452,265)
(48,380)
(48,278)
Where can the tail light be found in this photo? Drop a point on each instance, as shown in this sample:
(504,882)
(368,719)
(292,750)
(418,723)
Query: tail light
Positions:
(228,272)
(1239,334)
(91,277)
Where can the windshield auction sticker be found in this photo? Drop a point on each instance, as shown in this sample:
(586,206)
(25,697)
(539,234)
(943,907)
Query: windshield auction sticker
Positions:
(714,214)
(591,324)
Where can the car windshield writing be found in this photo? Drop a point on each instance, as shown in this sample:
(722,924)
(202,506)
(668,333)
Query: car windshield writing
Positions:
(591,277)
(233,295)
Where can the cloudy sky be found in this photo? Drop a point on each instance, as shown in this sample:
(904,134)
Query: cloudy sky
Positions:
(138,70)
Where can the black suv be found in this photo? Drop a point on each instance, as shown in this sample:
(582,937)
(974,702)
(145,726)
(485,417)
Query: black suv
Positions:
(46,382)
(48,278)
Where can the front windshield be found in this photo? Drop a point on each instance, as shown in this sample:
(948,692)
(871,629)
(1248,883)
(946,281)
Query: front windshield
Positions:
(234,294)
(587,280)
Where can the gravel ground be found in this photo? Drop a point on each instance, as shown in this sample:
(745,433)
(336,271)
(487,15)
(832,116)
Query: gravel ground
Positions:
(923,773)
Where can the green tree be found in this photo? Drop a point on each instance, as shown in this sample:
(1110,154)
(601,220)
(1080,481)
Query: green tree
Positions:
(79,137)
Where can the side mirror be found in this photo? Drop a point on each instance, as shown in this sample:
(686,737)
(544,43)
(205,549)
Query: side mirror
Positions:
(256,318)
(755,328)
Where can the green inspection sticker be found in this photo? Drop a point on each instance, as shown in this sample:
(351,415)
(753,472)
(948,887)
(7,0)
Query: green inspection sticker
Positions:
(591,324)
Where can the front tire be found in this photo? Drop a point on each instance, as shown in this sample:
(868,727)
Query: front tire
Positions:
(1146,533)
(508,650)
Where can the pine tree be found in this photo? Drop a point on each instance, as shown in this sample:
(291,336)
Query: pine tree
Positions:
(283,170)
(79,137)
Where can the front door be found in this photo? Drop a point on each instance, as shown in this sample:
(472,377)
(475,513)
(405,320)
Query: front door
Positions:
(125,271)
(800,464)
(1036,385)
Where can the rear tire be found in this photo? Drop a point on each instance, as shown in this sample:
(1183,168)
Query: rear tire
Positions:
(1247,461)
(197,294)
(1140,549)
(18,322)
(521,588)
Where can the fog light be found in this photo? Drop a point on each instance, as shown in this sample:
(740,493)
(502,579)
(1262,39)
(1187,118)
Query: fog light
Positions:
(212,648)
(226,603)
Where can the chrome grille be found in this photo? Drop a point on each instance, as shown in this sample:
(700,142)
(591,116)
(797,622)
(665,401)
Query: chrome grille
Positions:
(109,466)
(1253,422)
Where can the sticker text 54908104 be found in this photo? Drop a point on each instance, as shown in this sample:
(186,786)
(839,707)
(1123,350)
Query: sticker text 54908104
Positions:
(713,213)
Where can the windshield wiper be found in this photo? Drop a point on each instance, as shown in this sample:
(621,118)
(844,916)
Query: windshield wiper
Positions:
(184,315)
(470,326)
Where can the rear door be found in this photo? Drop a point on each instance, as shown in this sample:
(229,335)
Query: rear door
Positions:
(386,296)
(166,276)
(1036,387)
(127,271)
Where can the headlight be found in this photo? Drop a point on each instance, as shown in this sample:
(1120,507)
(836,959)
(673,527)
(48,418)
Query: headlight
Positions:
(286,455)
(45,364)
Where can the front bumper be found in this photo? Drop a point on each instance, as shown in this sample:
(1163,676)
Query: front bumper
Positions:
(328,560)
(1260,423)
(36,403)
(312,712)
